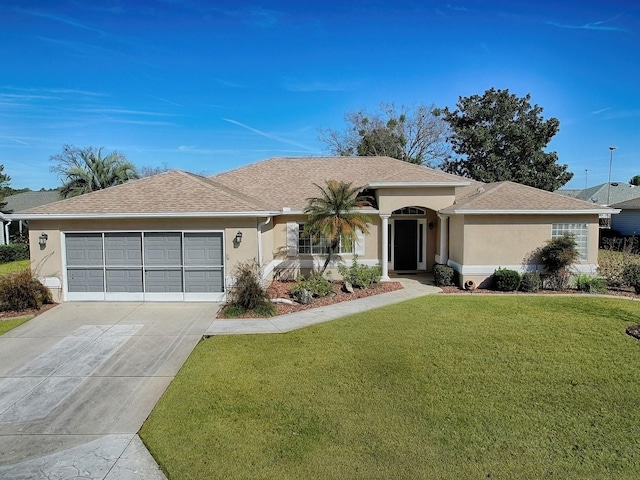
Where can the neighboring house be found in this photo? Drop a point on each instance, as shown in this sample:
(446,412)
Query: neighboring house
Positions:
(627,222)
(604,194)
(19,203)
(178,236)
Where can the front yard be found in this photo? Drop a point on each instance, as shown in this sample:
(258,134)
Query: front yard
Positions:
(439,387)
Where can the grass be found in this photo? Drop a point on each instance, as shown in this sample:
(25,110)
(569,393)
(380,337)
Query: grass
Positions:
(6,325)
(438,387)
(16,266)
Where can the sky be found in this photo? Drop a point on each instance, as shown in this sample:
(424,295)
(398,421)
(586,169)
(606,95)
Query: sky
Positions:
(208,86)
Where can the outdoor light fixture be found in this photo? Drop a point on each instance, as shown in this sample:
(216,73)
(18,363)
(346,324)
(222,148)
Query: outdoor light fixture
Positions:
(238,238)
(431,225)
(42,239)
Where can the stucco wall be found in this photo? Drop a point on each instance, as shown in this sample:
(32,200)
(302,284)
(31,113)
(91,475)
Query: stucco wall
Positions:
(456,238)
(433,198)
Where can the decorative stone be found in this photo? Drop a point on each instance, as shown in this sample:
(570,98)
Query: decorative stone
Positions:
(347,287)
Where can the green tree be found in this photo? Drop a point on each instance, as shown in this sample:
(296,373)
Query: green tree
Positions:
(4,187)
(335,215)
(84,170)
(500,136)
(415,135)
(635,180)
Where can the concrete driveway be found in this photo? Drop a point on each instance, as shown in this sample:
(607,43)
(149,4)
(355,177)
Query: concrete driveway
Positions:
(78,381)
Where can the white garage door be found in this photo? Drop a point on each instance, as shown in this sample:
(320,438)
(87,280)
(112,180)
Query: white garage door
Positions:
(138,266)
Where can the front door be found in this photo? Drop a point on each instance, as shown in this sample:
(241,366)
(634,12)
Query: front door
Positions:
(405,251)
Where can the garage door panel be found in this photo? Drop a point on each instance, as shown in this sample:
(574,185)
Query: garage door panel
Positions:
(85,279)
(83,249)
(163,280)
(201,280)
(203,249)
(163,249)
(125,280)
(123,248)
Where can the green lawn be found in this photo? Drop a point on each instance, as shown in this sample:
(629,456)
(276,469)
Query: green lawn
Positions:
(16,266)
(441,387)
(6,325)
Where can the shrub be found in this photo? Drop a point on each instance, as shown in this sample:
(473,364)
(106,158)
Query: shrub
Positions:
(632,276)
(443,275)
(248,292)
(557,256)
(316,286)
(360,276)
(21,291)
(506,280)
(590,284)
(233,311)
(13,252)
(530,282)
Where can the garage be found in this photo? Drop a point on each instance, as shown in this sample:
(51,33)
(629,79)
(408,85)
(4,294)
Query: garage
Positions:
(139,266)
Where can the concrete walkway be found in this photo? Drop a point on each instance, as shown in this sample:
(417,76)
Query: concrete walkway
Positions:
(414,286)
(78,381)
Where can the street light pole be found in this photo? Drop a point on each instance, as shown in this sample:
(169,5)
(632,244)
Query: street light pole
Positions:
(611,149)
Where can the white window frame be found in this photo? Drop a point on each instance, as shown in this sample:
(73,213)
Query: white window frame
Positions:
(580,232)
(308,246)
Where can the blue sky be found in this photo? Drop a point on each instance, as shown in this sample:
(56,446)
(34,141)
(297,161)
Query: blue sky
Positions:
(207,86)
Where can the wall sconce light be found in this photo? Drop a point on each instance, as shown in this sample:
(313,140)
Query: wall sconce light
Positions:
(431,225)
(42,239)
(238,238)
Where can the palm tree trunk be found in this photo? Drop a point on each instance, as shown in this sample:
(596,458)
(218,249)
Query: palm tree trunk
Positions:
(330,253)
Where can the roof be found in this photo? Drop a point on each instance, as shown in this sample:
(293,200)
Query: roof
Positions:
(26,200)
(170,193)
(633,204)
(282,185)
(510,197)
(289,182)
(619,192)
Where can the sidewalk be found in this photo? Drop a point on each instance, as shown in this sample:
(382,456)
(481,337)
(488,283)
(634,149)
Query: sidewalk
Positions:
(413,287)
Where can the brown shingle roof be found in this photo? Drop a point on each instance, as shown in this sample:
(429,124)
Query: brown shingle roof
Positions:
(170,192)
(289,182)
(510,196)
(632,204)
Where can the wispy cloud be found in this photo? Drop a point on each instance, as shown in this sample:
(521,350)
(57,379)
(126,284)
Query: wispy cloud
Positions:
(602,110)
(622,114)
(268,135)
(599,25)
(292,85)
(61,19)
(125,112)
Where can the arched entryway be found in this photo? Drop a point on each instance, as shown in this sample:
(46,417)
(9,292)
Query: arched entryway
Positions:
(408,235)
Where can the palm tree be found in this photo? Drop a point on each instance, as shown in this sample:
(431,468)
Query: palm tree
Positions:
(86,170)
(333,216)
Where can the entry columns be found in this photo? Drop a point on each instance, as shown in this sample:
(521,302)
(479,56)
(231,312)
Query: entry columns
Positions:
(444,236)
(385,248)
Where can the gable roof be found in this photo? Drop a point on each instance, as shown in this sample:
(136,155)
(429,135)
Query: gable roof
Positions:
(289,182)
(26,200)
(515,198)
(619,192)
(174,193)
(633,204)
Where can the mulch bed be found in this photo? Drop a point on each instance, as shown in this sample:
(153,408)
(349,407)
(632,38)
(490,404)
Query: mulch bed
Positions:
(279,289)
(11,314)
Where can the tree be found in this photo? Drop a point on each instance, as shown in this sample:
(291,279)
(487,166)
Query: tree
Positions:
(84,170)
(147,171)
(635,180)
(414,135)
(502,137)
(4,187)
(333,215)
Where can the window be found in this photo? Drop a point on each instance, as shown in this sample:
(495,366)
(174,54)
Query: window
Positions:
(410,211)
(580,234)
(319,246)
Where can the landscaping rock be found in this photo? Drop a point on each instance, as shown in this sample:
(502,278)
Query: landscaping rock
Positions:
(347,287)
(634,331)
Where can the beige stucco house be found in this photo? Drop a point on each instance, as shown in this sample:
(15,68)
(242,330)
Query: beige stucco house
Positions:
(178,236)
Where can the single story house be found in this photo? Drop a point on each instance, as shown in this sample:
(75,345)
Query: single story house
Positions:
(20,202)
(178,236)
(627,222)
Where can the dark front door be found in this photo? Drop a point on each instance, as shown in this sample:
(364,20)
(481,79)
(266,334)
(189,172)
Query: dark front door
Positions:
(405,253)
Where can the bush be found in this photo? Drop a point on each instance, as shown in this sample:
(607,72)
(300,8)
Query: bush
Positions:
(316,286)
(443,275)
(632,276)
(587,283)
(248,292)
(557,256)
(530,282)
(13,252)
(21,291)
(506,280)
(360,276)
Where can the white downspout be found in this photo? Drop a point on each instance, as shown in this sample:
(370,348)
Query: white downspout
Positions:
(6,232)
(260,225)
